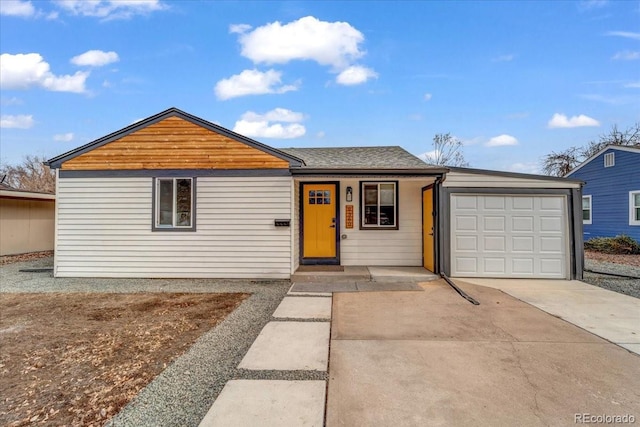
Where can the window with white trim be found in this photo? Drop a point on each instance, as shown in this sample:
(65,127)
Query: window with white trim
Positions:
(174,202)
(379,205)
(586,210)
(634,207)
(609,160)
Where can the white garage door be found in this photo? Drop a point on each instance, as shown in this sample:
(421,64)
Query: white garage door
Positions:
(508,236)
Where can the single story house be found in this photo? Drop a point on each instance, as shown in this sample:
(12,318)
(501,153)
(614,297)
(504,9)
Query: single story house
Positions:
(177,196)
(611,195)
(27,221)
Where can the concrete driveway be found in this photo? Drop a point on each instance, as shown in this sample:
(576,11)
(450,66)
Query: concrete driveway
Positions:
(431,358)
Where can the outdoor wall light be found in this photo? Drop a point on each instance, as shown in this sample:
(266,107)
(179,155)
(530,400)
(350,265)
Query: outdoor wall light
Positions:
(349,194)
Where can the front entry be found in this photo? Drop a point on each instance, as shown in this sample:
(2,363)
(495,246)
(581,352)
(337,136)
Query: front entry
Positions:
(428,240)
(319,223)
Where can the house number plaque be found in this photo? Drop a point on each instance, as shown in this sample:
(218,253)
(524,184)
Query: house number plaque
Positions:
(349,216)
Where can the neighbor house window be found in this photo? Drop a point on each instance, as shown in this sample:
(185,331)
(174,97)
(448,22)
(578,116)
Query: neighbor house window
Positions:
(586,209)
(634,207)
(174,204)
(609,160)
(379,205)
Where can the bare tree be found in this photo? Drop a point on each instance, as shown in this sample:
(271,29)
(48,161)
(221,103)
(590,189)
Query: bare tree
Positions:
(447,151)
(562,162)
(30,175)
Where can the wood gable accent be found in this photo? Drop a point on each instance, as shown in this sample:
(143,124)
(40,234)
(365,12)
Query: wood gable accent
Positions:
(174,143)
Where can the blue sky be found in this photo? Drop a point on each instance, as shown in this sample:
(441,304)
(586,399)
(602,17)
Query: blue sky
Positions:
(512,80)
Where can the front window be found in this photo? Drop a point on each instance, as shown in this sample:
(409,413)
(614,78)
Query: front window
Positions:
(379,202)
(634,207)
(586,209)
(174,204)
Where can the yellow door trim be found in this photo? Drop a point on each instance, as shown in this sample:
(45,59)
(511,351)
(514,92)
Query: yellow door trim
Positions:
(428,228)
(320,222)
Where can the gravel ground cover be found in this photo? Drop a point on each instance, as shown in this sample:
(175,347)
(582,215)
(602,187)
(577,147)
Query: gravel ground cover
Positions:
(182,394)
(623,285)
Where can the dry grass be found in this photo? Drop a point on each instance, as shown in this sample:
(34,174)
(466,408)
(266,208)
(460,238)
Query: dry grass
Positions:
(77,359)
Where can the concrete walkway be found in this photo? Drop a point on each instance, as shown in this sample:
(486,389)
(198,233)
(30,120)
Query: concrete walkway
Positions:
(297,340)
(610,315)
(432,358)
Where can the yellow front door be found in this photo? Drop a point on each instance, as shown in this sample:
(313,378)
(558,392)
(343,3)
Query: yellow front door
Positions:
(427,229)
(319,219)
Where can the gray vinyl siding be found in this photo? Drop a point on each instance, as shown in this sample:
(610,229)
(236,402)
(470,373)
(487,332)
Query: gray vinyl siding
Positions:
(464,179)
(104,230)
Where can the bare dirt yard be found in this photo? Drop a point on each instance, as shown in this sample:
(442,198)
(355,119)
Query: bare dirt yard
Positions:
(613,258)
(77,358)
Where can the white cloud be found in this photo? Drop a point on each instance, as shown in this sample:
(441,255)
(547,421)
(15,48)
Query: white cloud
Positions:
(328,43)
(416,117)
(625,34)
(17,8)
(63,137)
(504,58)
(430,156)
(634,85)
(16,122)
(261,125)
(562,121)
(501,140)
(111,9)
(275,115)
(252,82)
(592,4)
(239,28)
(427,96)
(95,58)
(355,75)
(320,134)
(23,71)
(627,55)
(526,167)
(11,101)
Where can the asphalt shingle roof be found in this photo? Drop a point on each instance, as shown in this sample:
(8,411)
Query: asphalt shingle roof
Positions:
(388,157)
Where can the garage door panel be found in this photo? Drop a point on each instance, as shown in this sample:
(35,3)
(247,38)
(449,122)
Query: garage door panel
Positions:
(466,243)
(467,265)
(522,266)
(495,244)
(495,203)
(553,224)
(522,244)
(509,236)
(550,244)
(494,223)
(522,203)
(522,223)
(466,203)
(466,223)
(494,266)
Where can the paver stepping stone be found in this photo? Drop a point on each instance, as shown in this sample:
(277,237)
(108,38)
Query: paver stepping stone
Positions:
(289,346)
(304,308)
(268,403)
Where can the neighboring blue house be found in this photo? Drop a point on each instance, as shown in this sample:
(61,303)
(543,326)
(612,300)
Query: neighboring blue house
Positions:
(611,196)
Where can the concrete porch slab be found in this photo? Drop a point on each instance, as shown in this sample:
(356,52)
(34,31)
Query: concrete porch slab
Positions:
(417,274)
(304,308)
(608,314)
(268,403)
(289,346)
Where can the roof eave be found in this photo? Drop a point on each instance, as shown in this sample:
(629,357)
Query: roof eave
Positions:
(369,171)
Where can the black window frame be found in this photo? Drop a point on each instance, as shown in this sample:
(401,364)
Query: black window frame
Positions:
(155,208)
(364,226)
